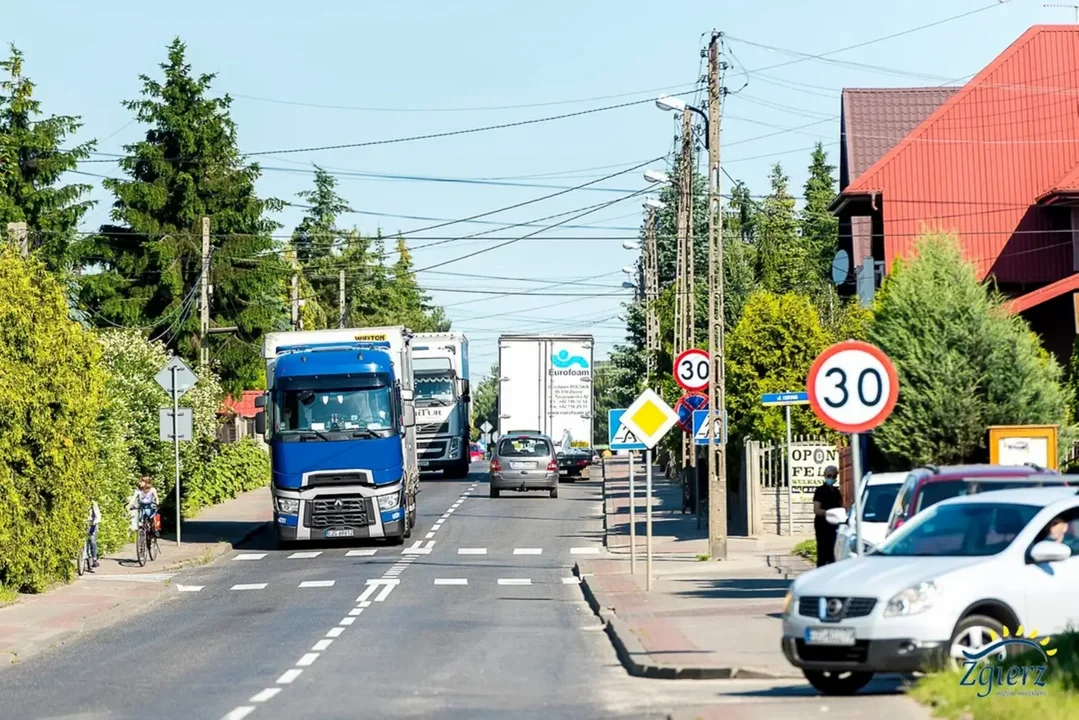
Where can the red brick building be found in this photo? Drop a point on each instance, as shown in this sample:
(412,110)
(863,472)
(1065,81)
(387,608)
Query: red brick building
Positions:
(996,162)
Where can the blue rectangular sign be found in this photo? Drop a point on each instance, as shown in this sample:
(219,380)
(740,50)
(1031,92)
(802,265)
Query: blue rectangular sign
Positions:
(787,398)
(700,428)
(618,436)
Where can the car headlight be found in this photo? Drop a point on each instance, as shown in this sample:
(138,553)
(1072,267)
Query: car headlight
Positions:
(913,600)
(389,501)
(787,603)
(289,506)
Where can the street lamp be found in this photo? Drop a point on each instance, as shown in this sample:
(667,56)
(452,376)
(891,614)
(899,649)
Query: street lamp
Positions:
(629,270)
(654,204)
(628,285)
(657,176)
(673,104)
(630,245)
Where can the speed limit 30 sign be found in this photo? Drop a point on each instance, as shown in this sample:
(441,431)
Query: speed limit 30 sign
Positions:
(852,387)
(692,369)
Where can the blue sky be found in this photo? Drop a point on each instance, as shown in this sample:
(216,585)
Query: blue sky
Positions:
(407,68)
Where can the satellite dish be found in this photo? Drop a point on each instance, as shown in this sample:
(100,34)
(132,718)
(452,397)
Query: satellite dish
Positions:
(840,267)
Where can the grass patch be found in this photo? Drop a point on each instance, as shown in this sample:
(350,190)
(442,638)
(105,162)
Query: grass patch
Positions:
(8,595)
(702,557)
(807,550)
(951,700)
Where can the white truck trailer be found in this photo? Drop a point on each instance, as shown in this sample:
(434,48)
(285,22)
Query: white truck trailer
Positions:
(443,419)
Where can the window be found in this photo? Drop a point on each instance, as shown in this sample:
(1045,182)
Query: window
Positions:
(434,389)
(933,492)
(1069,534)
(903,503)
(333,409)
(524,447)
(878,501)
(961,530)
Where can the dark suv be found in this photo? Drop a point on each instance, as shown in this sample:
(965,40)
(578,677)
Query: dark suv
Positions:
(929,485)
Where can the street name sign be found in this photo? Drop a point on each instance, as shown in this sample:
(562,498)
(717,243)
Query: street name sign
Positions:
(649,418)
(692,369)
(852,387)
(784,398)
(619,436)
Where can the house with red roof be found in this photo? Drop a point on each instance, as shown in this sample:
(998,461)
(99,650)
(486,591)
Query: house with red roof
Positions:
(996,162)
(239,417)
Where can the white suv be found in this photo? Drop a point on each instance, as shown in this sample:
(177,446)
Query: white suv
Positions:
(951,579)
(878,496)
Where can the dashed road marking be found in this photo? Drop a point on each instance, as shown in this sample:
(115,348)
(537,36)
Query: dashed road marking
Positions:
(451,581)
(318,647)
(365,603)
(527,551)
(417,550)
(307,660)
(514,581)
(346,621)
(189,588)
(571,580)
(264,695)
(471,551)
(250,556)
(317,583)
(362,552)
(249,586)
(593,550)
(355,611)
(240,712)
(430,535)
(335,632)
(288,676)
(304,555)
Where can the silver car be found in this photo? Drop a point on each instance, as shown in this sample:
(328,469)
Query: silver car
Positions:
(524,461)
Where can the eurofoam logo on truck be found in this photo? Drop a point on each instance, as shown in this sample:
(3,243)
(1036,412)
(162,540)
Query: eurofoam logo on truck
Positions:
(566,364)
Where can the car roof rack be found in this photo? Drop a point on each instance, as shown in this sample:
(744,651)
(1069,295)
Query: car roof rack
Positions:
(1036,466)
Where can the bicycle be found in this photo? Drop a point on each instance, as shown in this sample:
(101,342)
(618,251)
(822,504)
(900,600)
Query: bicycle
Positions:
(84,563)
(149,530)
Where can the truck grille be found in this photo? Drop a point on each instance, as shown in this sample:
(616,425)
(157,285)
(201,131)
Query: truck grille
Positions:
(350,510)
(431,429)
(432,451)
(339,478)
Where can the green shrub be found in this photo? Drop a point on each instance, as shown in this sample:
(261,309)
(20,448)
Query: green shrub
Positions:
(807,550)
(233,469)
(51,396)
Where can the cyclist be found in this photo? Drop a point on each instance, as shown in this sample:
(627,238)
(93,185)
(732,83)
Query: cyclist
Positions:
(143,501)
(95,520)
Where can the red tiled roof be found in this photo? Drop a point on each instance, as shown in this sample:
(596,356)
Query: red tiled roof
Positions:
(1069,185)
(978,163)
(875,119)
(245,407)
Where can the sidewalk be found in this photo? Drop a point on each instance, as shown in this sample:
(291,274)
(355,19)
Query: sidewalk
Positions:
(119,587)
(702,619)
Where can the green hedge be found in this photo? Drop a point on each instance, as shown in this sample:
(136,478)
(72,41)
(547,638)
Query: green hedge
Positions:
(52,392)
(233,469)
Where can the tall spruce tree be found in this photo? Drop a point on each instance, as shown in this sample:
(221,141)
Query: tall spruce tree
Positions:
(33,157)
(820,228)
(188,166)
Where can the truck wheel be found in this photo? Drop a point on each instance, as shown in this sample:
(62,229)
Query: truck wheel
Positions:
(281,544)
(459,470)
(494,492)
(554,492)
(837,683)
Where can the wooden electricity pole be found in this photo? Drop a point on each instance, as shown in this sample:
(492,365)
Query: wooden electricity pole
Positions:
(204,295)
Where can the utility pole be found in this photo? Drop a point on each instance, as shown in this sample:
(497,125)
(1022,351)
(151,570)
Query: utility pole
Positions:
(651,292)
(295,291)
(19,235)
(685,248)
(717,396)
(342,315)
(204,295)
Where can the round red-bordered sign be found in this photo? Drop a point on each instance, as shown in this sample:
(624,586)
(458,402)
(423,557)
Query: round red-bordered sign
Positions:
(692,368)
(852,387)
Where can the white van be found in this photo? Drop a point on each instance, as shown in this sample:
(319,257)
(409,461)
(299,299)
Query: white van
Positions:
(878,496)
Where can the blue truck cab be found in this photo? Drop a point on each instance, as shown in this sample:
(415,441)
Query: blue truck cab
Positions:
(339,418)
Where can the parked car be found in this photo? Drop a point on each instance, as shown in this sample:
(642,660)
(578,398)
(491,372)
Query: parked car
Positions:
(929,485)
(524,461)
(475,452)
(574,461)
(948,582)
(879,491)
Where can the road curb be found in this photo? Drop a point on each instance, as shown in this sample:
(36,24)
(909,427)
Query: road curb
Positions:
(628,646)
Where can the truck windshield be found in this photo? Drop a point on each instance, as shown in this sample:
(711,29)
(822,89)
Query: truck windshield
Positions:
(434,389)
(344,412)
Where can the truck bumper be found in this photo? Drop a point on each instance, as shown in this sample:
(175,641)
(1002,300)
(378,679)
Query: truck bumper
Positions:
(341,512)
(439,453)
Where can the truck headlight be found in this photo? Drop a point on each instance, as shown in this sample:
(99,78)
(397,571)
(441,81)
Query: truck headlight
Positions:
(288,506)
(455,445)
(913,600)
(787,603)
(389,501)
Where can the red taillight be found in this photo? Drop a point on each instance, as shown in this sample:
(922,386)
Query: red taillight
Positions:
(496,466)
(552,466)
(582,463)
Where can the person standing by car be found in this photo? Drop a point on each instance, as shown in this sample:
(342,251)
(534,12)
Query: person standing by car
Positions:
(825,498)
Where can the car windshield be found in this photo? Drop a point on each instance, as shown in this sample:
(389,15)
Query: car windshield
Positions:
(524,447)
(878,501)
(934,492)
(349,411)
(434,389)
(960,530)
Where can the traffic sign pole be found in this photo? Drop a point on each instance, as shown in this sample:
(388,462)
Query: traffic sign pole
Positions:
(856,470)
(176,446)
(790,485)
(648,517)
(632,520)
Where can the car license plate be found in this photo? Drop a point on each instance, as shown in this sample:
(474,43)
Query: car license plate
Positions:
(522,465)
(830,636)
(344,532)
(425,463)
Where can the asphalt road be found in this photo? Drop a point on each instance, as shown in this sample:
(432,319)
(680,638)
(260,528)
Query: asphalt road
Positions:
(479,617)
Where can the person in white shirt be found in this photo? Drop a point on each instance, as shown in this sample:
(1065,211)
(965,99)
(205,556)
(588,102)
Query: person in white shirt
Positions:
(95,521)
(143,500)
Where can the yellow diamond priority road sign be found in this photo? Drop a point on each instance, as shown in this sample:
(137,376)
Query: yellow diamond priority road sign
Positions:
(649,418)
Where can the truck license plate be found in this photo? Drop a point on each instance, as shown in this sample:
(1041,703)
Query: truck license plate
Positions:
(425,463)
(344,532)
(522,465)
(830,636)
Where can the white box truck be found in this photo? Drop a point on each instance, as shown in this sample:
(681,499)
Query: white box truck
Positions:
(545,385)
(443,418)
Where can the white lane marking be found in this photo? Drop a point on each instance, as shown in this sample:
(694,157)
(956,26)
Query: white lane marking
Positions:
(355,611)
(364,604)
(430,535)
(471,551)
(571,580)
(363,552)
(189,588)
(335,632)
(446,516)
(304,555)
(264,695)
(584,550)
(527,551)
(347,621)
(451,581)
(250,556)
(319,647)
(289,676)
(249,586)
(436,526)
(240,712)
(430,544)
(307,660)
(417,550)
(514,581)
(316,583)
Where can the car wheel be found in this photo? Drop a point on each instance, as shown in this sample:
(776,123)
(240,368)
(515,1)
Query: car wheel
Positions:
(554,492)
(837,683)
(494,492)
(972,634)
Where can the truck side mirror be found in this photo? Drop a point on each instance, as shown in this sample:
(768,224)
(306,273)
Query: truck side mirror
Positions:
(260,422)
(407,395)
(260,401)
(466,390)
(408,416)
